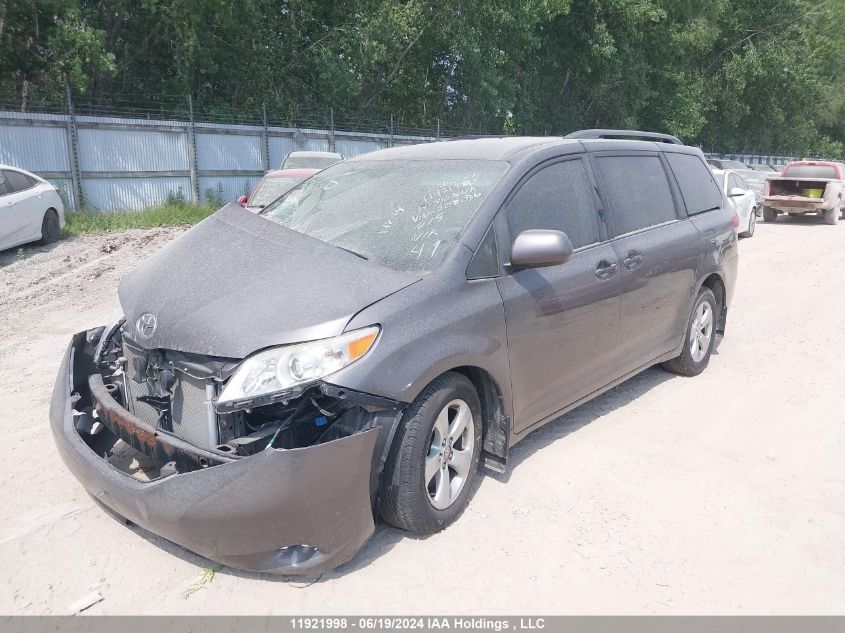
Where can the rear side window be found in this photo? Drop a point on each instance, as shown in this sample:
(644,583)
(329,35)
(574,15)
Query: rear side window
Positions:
(3,189)
(557,197)
(16,181)
(699,189)
(811,171)
(736,181)
(637,190)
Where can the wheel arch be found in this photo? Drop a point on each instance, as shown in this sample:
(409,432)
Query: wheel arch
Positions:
(58,217)
(716,284)
(495,420)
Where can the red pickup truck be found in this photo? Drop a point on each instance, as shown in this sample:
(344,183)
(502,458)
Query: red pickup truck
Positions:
(806,186)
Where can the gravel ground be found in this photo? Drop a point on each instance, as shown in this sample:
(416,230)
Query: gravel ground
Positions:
(721,494)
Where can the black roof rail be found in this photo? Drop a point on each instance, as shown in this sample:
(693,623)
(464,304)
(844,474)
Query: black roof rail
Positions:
(651,136)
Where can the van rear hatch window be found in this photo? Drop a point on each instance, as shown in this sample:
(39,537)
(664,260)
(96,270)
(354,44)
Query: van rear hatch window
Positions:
(811,171)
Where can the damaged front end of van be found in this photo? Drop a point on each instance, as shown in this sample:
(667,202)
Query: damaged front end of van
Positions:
(283,483)
(207,413)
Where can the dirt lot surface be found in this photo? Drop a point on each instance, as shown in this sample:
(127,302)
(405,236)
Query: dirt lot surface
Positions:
(718,494)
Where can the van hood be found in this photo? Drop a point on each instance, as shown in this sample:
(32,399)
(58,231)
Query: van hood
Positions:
(237,282)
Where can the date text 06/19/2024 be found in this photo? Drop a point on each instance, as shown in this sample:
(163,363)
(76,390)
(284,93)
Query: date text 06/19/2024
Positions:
(456,623)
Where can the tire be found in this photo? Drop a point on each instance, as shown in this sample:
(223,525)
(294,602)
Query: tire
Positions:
(692,363)
(831,216)
(769,214)
(408,501)
(752,224)
(49,227)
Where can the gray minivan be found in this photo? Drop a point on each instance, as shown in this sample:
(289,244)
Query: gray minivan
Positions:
(360,346)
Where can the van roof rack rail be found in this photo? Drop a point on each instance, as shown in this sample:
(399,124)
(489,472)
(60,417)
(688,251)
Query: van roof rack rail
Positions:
(474,137)
(599,133)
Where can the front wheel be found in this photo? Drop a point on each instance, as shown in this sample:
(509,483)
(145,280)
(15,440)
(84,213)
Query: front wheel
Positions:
(700,339)
(433,462)
(769,214)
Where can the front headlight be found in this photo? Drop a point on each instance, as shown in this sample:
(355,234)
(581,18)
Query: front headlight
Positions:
(281,368)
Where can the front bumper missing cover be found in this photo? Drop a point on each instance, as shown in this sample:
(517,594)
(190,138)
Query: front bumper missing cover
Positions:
(296,511)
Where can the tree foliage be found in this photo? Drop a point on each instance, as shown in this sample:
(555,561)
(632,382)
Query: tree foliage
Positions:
(764,75)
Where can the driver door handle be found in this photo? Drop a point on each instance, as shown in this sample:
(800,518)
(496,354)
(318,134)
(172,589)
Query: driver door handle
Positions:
(605,269)
(633,261)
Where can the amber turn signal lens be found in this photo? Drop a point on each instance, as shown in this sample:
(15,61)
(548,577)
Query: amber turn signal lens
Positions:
(359,347)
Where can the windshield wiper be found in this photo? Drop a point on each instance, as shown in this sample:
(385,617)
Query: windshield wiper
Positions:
(349,250)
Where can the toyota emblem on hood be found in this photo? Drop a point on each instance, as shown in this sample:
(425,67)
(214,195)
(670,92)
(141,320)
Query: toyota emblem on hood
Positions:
(146,324)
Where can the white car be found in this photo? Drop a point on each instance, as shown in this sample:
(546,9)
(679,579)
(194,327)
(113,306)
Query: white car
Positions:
(741,197)
(30,209)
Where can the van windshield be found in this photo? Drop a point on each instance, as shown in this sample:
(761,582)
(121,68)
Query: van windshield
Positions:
(403,214)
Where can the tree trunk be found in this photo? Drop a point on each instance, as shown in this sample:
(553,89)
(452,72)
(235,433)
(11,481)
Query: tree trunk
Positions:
(24,94)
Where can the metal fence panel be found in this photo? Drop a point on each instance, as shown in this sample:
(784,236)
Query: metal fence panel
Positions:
(131,163)
(350,147)
(36,149)
(225,189)
(228,152)
(279,147)
(317,144)
(132,150)
(114,194)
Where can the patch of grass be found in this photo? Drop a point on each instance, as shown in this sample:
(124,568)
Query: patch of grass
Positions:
(203,581)
(81,223)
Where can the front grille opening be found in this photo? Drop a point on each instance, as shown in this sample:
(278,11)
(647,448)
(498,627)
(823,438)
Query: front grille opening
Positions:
(174,393)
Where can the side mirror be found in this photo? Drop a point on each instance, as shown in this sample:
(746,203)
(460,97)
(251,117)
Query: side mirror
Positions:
(242,201)
(736,192)
(540,247)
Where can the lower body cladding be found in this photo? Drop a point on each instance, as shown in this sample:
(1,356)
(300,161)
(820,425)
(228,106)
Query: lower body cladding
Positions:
(302,509)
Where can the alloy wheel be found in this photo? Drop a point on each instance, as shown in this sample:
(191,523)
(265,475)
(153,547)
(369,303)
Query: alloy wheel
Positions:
(701,331)
(450,454)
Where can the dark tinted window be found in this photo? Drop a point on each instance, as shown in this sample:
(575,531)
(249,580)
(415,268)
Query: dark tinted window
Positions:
(16,181)
(485,262)
(557,197)
(637,190)
(3,189)
(811,171)
(700,191)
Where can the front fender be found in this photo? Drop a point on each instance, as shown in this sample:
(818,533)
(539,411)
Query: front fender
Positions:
(424,337)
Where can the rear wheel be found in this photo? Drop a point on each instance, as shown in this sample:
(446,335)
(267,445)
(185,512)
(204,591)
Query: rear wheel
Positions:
(433,462)
(700,339)
(831,216)
(752,224)
(49,227)
(769,214)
